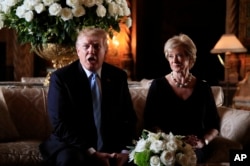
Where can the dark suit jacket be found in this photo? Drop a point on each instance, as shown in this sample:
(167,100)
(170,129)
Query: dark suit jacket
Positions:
(71,113)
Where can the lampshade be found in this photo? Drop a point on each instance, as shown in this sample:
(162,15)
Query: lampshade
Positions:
(228,43)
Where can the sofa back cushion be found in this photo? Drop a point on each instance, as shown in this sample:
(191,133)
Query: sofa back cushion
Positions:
(8,131)
(218,95)
(28,109)
(235,124)
(217,90)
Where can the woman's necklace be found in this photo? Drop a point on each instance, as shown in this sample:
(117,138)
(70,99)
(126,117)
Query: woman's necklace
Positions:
(181,85)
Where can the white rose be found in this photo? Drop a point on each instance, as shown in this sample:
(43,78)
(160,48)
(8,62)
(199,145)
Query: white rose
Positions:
(89,3)
(126,11)
(48,2)
(78,11)
(66,14)
(154,136)
(131,156)
(181,144)
(2,17)
(155,161)
(164,136)
(120,11)
(1,24)
(113,9)
(28,5)
(140,146)
(72,3)
(182,159)
(55,9)
(28,16)
(108,1)
(186,160)
(4,8)
(118,1)
(20,11)
(11,3)
(99,2)
(39,8)
(167,158)
(34,2)
(1,7)
(129,22)
(156,146)
(171,136)
(123,2)
(171,145)
(101,11)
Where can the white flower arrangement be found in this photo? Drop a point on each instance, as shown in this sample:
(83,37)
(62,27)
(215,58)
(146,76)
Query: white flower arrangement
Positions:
(161,149)
(58,21)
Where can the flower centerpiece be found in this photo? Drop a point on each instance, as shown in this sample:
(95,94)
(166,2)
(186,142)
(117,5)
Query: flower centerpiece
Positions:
(161,149)
(58,21)
(51,26)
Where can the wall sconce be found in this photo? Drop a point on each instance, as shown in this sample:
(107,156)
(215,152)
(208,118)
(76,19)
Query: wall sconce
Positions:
(229,45)
(113,44)
(119,51)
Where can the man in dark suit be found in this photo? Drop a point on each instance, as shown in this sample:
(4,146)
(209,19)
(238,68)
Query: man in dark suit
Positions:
(73,141)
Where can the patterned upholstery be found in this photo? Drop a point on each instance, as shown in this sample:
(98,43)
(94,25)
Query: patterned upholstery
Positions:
(241,100)
(235,125)
(8,131)
(20,153)
(27,107)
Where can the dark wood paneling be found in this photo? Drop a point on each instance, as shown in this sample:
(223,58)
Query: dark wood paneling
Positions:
(203,21)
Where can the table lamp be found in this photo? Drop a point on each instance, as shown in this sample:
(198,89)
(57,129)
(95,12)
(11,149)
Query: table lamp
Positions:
(229,44)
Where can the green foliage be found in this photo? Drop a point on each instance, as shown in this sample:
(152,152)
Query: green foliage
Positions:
(44,28)
(142,158)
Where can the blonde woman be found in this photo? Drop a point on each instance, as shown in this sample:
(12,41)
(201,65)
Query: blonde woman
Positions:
(181,103)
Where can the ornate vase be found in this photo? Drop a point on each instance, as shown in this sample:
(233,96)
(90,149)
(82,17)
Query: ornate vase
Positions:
(59,55)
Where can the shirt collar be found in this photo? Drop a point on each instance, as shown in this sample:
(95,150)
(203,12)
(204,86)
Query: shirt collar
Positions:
(90,72)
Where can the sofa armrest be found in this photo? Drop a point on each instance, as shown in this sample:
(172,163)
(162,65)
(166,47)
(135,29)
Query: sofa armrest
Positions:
(220,149)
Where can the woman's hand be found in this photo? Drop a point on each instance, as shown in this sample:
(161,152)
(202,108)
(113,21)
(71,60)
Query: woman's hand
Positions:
(200,144)
(191,139)
(194,141)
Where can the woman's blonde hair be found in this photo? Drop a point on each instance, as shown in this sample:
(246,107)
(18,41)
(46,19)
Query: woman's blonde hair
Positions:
(185,43)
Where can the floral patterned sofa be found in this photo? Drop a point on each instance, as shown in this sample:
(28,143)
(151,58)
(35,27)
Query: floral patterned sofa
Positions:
(24,123)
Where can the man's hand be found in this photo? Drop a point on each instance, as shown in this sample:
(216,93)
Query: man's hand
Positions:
(102,159)
(107,159)
(121,159)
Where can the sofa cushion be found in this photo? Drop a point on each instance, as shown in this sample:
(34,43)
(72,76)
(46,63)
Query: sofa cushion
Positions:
(216,90)
(20,153)
(138,95)
(220,148)
(28,109)
(8,131)
(218,95)
(235,124)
